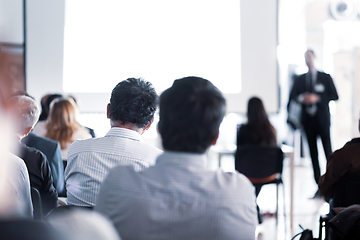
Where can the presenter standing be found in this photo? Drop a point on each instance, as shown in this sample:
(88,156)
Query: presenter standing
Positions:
(314,90)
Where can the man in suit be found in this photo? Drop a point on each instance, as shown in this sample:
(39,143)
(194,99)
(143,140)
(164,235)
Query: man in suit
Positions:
(314,90)
(52,151)
(26,112)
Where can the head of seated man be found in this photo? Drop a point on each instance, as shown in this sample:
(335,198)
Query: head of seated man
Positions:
(190,115)
(178,197)
(132,105)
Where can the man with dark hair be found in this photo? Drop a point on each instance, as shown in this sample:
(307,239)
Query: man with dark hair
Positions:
(314,90)
(179,198)
(131,112)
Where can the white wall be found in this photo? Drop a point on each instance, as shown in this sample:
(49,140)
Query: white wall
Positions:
(45,37)
(45,23)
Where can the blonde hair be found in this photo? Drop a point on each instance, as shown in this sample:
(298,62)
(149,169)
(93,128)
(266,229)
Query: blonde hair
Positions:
(61,123)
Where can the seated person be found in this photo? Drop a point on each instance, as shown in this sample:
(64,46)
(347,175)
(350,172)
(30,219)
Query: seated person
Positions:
(46,100)
(62,125)
(341,162)
(179,198)
(257,131)
(131,112)
(26,111)
(15,185)
(52,151)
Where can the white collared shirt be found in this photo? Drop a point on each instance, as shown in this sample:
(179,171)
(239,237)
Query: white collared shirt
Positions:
(90,160)
(179,198)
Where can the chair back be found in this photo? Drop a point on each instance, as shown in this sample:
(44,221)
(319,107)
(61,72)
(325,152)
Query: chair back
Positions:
(259,161)
(36,201)
(346,191)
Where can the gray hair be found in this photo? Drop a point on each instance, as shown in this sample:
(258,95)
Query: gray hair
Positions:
(27,111)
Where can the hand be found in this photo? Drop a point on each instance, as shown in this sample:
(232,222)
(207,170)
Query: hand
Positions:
(310,98)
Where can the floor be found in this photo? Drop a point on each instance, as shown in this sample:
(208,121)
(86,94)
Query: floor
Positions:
(306,210)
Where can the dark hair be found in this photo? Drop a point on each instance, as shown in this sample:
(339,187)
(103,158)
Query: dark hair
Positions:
(190,115)
(133,101)
(45,105)
(260,129)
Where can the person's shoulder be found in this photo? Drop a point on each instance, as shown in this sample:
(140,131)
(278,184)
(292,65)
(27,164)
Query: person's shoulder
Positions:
(16,162)
(84,144)
(32,139)
(30,152)
(300,76)
(323,75)
(236,179)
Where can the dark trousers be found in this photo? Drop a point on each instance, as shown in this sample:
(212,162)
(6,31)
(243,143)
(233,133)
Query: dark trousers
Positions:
(314,129)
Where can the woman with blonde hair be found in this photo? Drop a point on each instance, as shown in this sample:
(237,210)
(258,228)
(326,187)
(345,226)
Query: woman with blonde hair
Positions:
(62,125)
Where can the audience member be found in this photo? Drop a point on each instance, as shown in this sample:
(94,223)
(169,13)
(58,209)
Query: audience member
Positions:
(62,125)
(26,111)
(340,163)
(179,198)
(257,131)
(15,187)
(52,151)
(15,200)
(131,111)
(40,128)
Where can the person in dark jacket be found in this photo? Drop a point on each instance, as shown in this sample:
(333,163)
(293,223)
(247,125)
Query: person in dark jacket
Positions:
(26,111)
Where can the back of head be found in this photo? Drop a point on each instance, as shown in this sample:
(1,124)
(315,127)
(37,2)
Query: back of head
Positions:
(133,101)
(61,122)
(256,112)
(190,115)
(26,111)
(45,104)
(260,129)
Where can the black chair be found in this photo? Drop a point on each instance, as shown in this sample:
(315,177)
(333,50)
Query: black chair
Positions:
(37,206)
(345,194)
(258,163)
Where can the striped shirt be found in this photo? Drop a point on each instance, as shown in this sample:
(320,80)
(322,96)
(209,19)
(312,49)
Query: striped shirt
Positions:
(179,198)
(90,160)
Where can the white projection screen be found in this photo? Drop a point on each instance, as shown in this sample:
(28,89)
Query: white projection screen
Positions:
(232,43)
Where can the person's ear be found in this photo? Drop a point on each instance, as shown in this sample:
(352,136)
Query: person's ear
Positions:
(215,139)
(108,111)
(148,125)
(27,131)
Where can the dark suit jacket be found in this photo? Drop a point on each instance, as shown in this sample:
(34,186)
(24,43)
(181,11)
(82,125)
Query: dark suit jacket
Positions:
(327,93)
(52,150)
(40,176)
(343,161)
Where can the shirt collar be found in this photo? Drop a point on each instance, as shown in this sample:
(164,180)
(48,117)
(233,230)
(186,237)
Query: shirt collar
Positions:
(182,159)
(123,132)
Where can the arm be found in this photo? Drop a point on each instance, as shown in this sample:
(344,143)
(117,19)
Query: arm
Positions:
(331,90)
(57,170)
(49,196)
(337,167)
